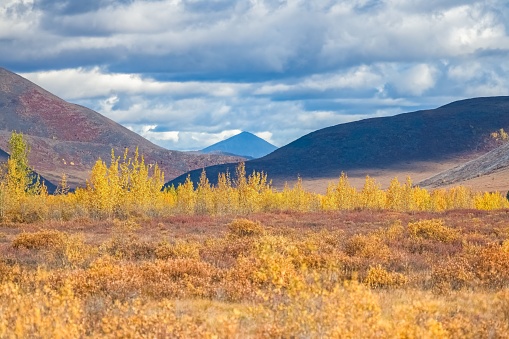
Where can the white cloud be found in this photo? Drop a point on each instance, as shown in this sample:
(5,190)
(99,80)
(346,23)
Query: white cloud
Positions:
(97,82)
(187,73)
(416,80)
(361,77)
(466,72)
(265,135)
(189,141)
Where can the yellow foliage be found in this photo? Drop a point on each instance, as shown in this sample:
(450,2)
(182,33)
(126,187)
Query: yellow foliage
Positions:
(245,228)
(371,196)
(128,187)
(432,229)
(257,281)
(378,277)
(43,313)
(341,196)
(59,247)
(490,201)
(178,250)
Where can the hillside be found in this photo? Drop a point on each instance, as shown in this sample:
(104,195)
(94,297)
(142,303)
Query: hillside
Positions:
(3,156)
(244,144)
(419,144)
(494,163)
(68,138)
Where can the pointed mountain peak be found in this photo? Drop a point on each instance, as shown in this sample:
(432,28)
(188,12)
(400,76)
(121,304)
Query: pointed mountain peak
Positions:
(245,144)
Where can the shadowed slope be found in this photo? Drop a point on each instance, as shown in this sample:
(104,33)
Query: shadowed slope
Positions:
(451,134)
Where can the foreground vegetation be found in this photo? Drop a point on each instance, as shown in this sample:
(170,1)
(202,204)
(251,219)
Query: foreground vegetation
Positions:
(122,259)
(328,274)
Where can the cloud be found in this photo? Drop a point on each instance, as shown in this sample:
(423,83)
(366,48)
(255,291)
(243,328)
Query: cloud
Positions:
(187,73)
(416,79)
(97,82)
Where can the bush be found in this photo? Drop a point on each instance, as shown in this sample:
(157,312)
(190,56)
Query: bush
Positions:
(378,277)
(245,228)
(178,250)
(59,247)
(433,229)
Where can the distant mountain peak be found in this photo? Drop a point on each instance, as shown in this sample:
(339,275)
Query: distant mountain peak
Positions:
(244,144)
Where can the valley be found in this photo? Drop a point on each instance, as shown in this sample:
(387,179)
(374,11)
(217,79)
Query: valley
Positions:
(333,253)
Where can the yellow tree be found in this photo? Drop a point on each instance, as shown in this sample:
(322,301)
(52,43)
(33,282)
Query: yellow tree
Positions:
(204,196)
(100,200)
(340,196)
(372,197)
(20,176)
(242,188)
(186,197)
(395,195)
(224,194)
(19,179)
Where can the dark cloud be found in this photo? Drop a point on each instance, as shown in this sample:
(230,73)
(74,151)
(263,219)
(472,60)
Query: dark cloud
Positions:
(210,6)
(492,52)
(73,7)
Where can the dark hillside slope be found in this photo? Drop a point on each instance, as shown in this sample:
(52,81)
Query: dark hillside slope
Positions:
(459,131)
(68,138)
(3,156)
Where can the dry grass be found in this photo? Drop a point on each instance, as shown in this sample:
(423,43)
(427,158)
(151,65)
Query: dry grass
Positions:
(323,274)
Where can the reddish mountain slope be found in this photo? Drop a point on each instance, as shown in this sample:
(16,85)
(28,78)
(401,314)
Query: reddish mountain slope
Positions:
(68,138)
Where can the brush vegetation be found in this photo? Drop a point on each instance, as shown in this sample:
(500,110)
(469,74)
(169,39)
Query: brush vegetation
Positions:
(121,258)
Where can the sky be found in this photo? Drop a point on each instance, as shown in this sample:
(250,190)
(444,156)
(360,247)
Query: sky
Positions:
(188,73)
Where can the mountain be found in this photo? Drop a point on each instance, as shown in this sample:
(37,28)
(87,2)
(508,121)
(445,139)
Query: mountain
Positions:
(244,144)
(494,164)
(418,144)
(68,138)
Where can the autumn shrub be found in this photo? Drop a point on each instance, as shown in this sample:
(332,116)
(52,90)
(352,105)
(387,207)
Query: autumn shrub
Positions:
(125,243)
(177,250)
(10,272)
(58,247)
(349,310)
(452,274)
(224,252)
(369,246)
(272,264)
(170,278)
(239,228)
(433,229)
(491,266)
(43,313)
(379,277)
